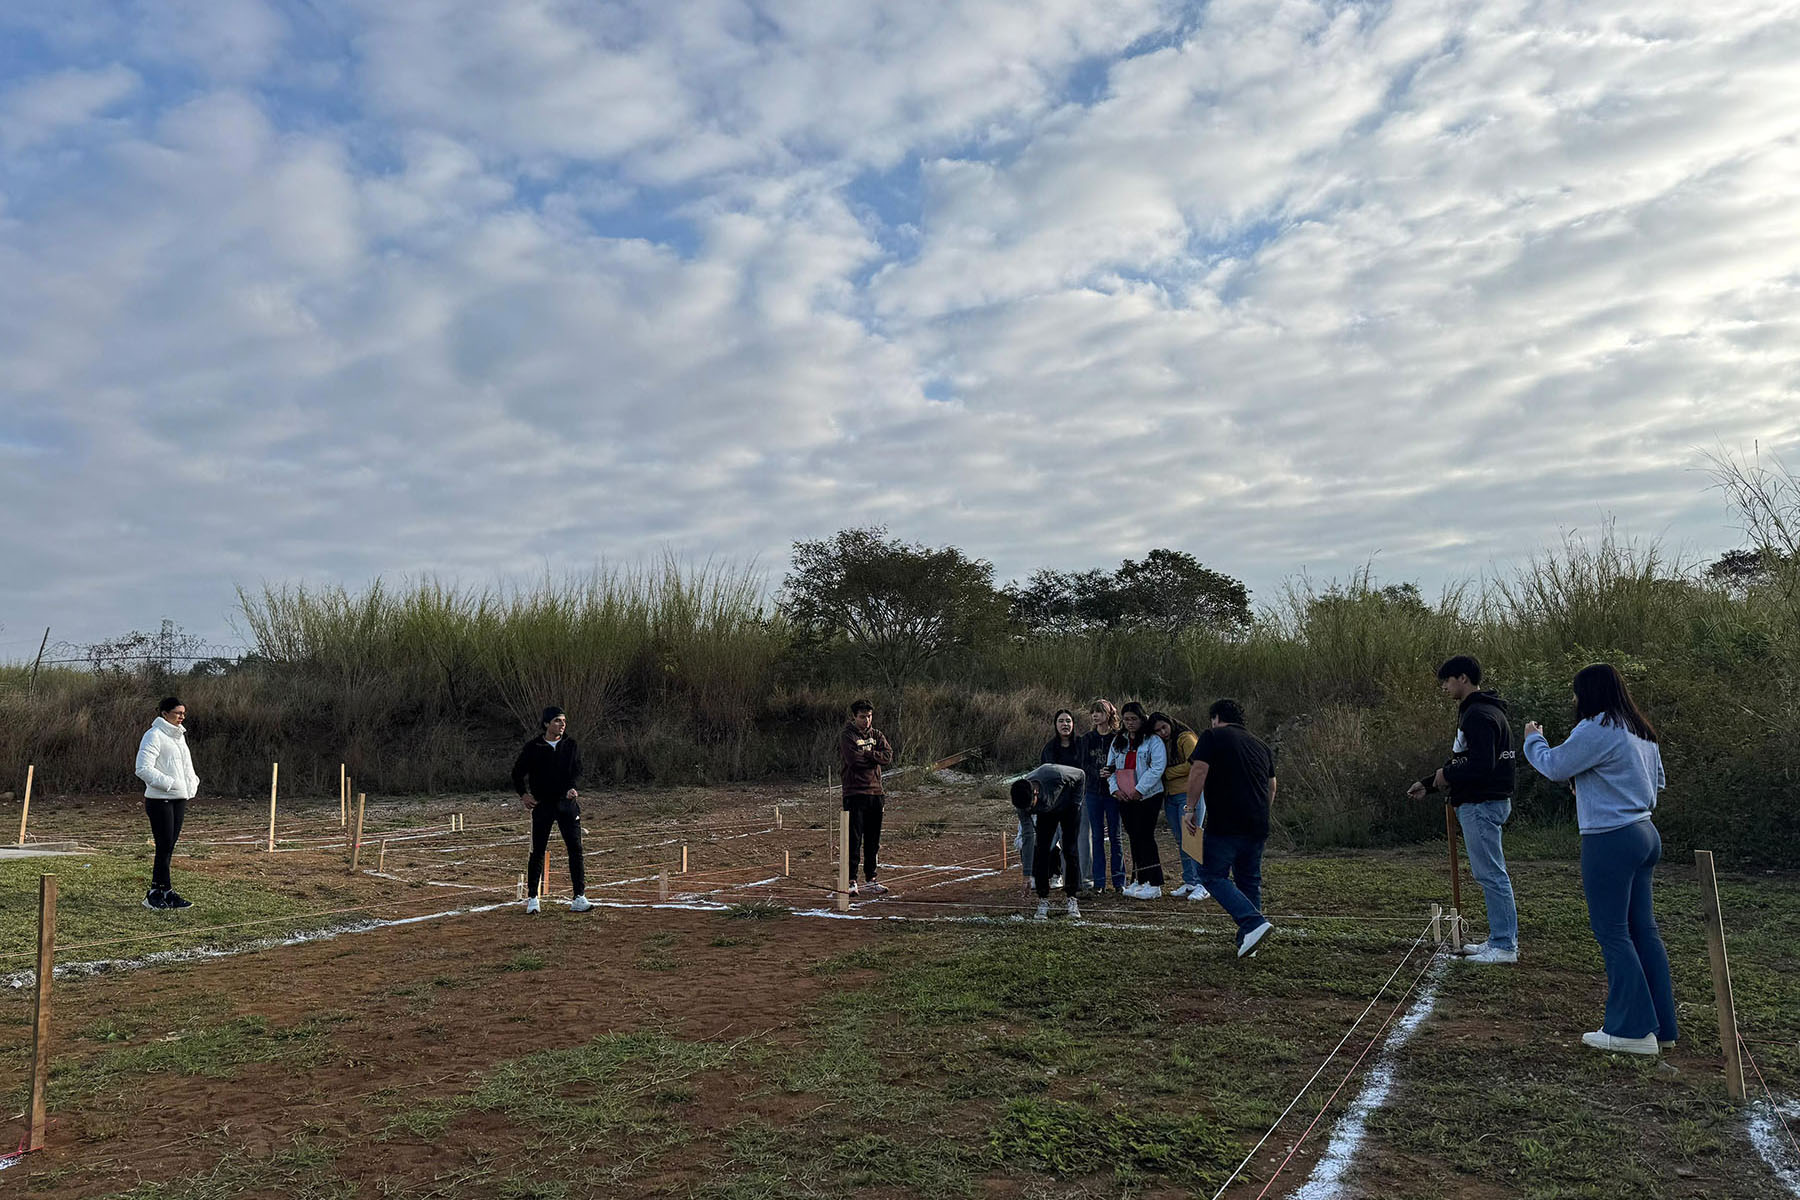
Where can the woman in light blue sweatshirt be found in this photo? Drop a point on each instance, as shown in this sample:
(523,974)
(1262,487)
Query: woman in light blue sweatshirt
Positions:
(1612,758)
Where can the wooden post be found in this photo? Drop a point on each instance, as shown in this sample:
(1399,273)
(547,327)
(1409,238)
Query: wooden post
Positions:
(381,859)
(274,778)
(1437,928)
(40,1025)
(1005,852)
(521,885)
(343,797)
(1455,863)
(662,884)
(356,842)
(787,866)
(1721,973)
(25,812)
(778,816)
(1456,931)
(843,879)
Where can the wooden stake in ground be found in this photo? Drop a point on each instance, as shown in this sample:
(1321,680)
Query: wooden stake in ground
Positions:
(1455,862)
(25,813)
(684,858)
(40,1023)
(1004,851)
(1456,931)
(843,880)
(521,895)
(778,816)
(1437,928)
(787,866)
(381,859)
(356,842)
(274,778)
(343,797)
(1721,973)
(662,884)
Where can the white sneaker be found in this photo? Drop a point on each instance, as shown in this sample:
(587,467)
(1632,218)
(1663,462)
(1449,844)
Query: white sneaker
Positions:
(1602,1040)
(1149,891)
(1074,910)
(1248,945)
(1488,954)
(1199,893)
(1043,911)
(1056,883)
(1181,891)
(1473,948)
(580,904)
(531,905)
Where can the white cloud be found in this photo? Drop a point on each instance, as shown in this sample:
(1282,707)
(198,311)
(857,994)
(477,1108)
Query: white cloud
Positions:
(1288,284)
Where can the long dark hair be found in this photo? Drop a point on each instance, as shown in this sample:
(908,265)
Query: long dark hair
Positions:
(1176,729)
(1056,735)
(1600,692)
(1123,740)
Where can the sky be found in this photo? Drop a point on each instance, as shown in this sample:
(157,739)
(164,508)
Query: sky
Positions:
(326,290)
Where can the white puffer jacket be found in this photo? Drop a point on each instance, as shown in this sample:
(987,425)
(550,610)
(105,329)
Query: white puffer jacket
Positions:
(164,763)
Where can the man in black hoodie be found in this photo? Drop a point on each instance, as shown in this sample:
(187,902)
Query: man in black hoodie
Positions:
(863,751)
(1479,780)
(552,763)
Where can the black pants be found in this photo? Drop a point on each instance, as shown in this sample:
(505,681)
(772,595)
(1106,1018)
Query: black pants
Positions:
(565,815)
(1139,817)
(1068,820)
(865,834)
(165,826)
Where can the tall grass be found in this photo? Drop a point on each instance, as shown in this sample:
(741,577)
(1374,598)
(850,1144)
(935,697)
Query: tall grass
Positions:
(676,673)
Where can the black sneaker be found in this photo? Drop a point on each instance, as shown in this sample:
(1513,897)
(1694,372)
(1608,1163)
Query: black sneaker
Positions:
(174,899)
(154,898)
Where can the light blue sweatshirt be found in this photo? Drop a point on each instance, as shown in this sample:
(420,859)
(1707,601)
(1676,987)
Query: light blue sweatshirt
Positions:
(1617,774)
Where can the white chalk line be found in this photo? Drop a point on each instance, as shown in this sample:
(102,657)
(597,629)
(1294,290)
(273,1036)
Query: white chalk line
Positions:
(1327,1178)
(1764,1124)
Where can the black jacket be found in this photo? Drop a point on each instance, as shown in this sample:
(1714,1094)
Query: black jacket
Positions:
(1063,756)
(1482,759)
(1094,745)
(553,770)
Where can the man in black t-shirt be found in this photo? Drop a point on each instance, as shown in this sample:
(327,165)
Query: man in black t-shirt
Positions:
(1236,772)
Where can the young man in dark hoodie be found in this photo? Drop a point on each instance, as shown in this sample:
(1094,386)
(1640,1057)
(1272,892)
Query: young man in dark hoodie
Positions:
(1050,797)
(1479,780)
(862,751)
(552,763)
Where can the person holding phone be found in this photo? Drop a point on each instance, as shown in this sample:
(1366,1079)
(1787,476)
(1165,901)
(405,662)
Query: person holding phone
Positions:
(863,751)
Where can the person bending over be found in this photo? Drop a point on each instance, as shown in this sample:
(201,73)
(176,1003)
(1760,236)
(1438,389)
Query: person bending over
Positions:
(1613,759)
(552,764)
(166,766)
(862,751)
(1050,797)
(1237,773)
(1479,778)
(1063,749)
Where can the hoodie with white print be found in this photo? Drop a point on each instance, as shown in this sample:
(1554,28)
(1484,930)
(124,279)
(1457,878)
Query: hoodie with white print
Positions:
(165,764)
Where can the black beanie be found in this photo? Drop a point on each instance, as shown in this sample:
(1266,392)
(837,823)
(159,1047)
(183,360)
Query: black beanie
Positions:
(550,714)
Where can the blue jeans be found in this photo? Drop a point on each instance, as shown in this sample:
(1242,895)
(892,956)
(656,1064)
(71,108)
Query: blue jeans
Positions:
(1175,809)
(1103,823)
(1231,869)
(1615,874)
(1481,824)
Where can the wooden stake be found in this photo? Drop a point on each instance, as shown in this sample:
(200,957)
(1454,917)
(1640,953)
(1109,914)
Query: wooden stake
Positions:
(381,859)
(1455,864)
(1437,928)
(40,1025)
(521,885)
(778,816)
(343,797)
(356,842)
(1456,931)
(25,813)
(1721,973)
(274,778)
(662,884)
(843,880)
(684,858)
(1005,852)
(787,866)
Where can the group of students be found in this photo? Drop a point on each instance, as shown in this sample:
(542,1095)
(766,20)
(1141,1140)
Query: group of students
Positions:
(1214,788)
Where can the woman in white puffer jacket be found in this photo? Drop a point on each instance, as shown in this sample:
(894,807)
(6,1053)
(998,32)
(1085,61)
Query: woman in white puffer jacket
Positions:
(166,766)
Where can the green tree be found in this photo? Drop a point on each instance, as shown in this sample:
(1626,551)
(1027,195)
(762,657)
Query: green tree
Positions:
(900,605)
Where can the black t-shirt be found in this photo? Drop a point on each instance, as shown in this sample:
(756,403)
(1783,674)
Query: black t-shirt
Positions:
(1238,770)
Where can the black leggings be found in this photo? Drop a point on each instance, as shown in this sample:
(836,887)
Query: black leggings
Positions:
(565,815)
(1068,820)
(1139,817)
(865,835)
(165,826)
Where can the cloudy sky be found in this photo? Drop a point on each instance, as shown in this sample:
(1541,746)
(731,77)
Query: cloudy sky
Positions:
(330,289)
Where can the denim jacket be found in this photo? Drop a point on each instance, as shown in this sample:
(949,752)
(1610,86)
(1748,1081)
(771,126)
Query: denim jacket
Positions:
(1152,760)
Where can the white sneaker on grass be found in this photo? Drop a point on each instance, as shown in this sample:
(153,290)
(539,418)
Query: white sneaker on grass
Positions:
(1491,954)
(1248,945)
(1199,893)
(1043,911)
(1472,948)
(1181,891)
(531,905)
(1602,1040)
(580,904)
(1149,891)
(1073,909)
(1056,882)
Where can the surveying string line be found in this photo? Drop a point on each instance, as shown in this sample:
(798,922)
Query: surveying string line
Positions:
(1232,1178)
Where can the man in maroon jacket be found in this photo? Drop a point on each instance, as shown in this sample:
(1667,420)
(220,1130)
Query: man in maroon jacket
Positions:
(862,751)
